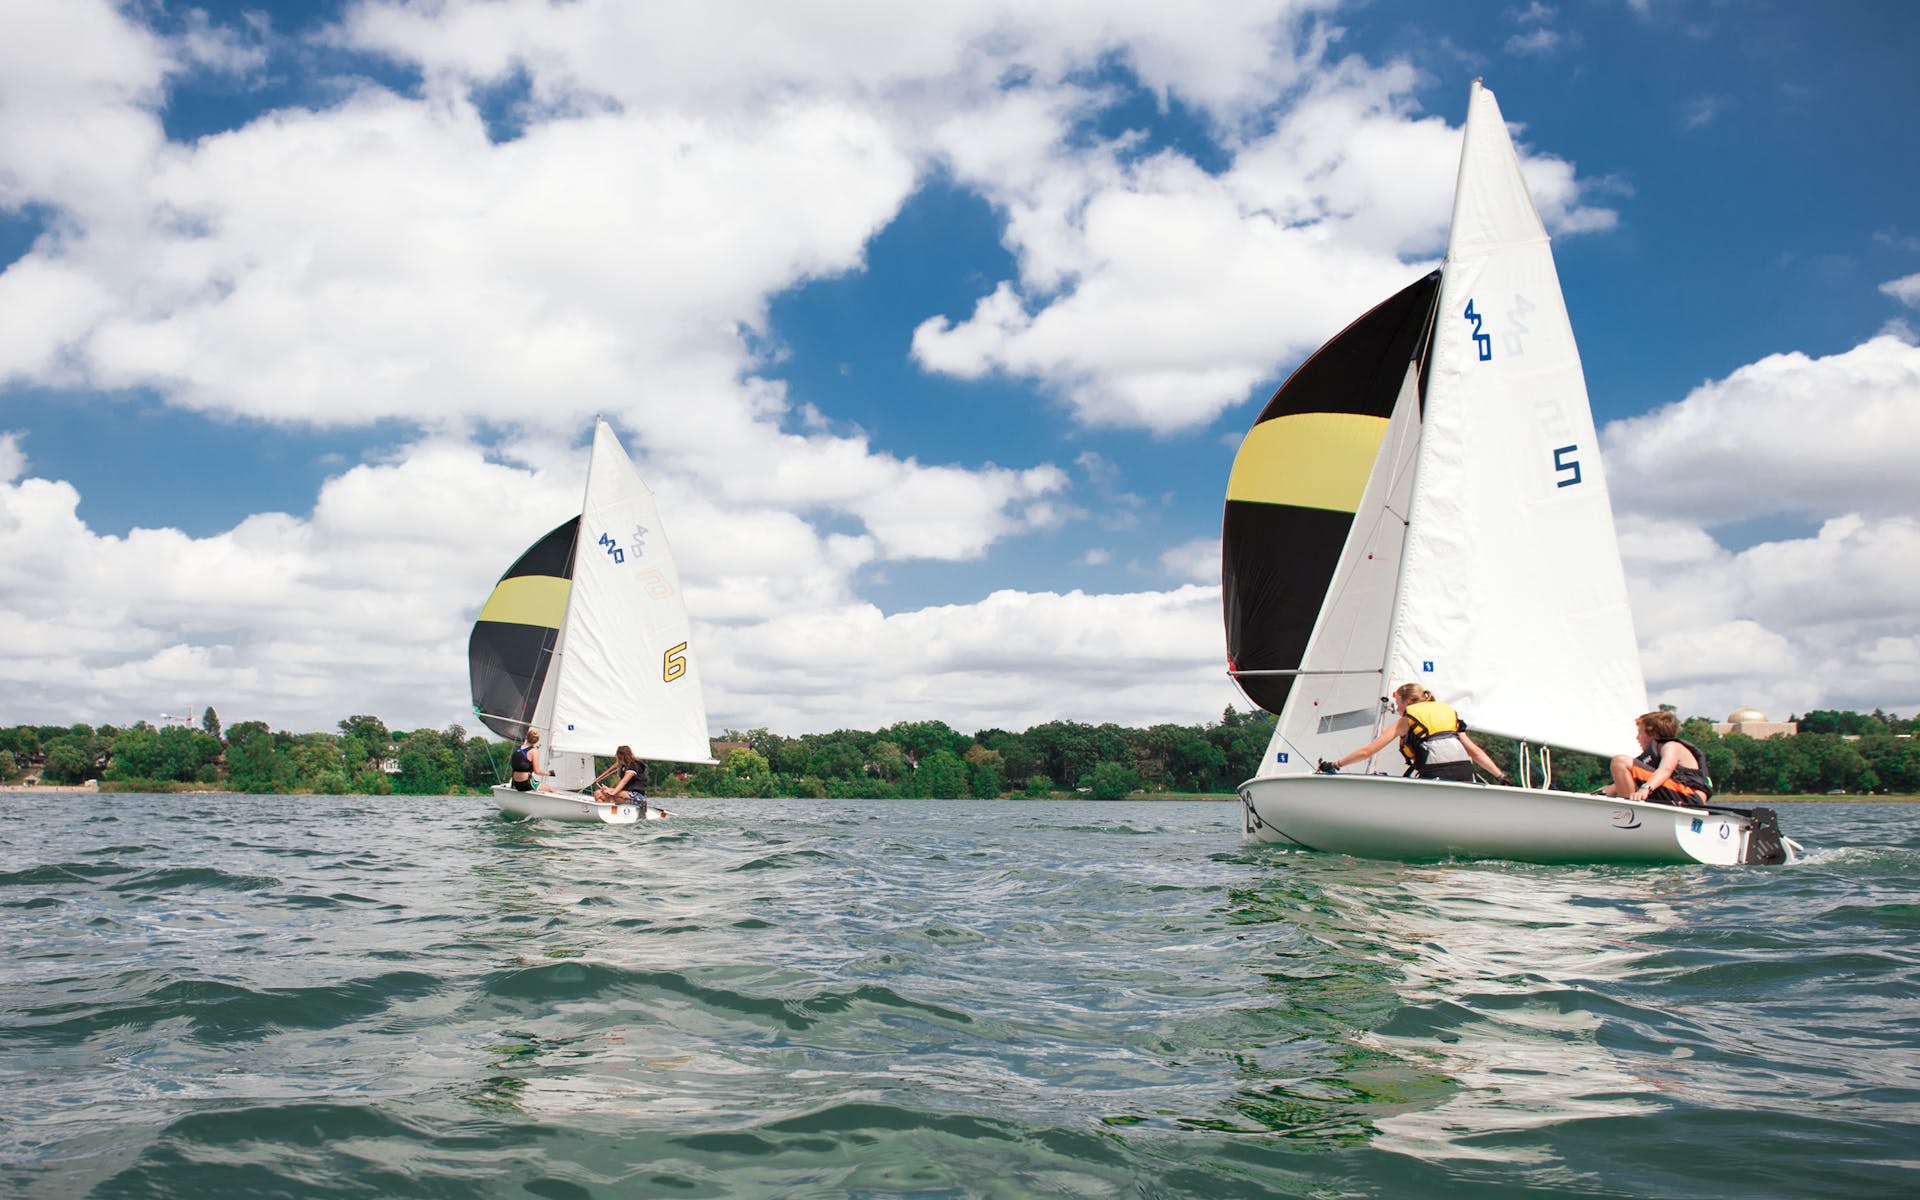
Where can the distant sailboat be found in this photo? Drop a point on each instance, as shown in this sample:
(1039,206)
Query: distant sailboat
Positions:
(1423,501)
(586,638)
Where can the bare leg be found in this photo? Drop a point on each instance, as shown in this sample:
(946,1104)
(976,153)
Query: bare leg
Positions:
(1623,784)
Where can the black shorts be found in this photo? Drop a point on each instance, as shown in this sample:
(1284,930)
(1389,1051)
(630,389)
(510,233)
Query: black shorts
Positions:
(523,785)
(1461,771)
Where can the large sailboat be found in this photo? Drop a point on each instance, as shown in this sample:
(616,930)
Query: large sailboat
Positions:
(586,638)
(1423,501)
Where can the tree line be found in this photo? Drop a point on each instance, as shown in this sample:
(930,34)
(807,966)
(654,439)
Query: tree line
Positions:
(1835,751)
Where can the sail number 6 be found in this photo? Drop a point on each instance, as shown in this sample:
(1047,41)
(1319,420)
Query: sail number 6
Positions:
(673,664)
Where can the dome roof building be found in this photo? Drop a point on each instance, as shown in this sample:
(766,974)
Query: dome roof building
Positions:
(1754,724)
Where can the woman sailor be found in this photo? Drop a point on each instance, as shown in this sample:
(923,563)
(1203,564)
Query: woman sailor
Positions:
(525,764)
(629,784)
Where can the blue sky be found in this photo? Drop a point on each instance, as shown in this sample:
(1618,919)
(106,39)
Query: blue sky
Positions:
(934,328)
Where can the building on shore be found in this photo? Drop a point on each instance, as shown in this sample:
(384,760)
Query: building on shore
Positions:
(1754,723)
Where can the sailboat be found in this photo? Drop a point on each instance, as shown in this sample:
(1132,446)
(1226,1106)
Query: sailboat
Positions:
(1423,500)
(586,638)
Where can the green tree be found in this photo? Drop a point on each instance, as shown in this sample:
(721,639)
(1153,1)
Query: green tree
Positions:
(1018,758)
(984,768)
(428,766)
(483,763)
(1822,720)
(372,733)
(921,738)
(318,764)
(136,754)
(20,740)
(790,756)
(1039,787)
(256,763)
(1111,781)
(838,760)
(68,761)
(176,753)
(744,763)
(9,767)
(210,723)
(942,776)
(1242,738)
(887,760)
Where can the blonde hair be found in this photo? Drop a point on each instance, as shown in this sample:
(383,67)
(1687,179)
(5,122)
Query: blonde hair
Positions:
(1411,693)
(1662,725)
(533,737)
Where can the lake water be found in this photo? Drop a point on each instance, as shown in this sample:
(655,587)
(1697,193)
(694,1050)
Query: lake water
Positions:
(342,996)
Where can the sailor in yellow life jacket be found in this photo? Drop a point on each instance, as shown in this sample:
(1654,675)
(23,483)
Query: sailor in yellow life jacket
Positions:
(1433,739)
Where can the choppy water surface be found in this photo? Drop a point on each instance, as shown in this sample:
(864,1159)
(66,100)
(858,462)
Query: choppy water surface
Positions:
(280,996)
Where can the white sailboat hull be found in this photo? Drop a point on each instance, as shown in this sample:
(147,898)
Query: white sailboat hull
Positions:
(1389,817)
(570,806)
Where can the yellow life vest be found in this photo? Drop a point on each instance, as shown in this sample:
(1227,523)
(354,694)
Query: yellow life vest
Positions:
(1427,719)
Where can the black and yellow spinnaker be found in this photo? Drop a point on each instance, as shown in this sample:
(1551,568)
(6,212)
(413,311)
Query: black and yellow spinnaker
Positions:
(513,641)
(1297,481)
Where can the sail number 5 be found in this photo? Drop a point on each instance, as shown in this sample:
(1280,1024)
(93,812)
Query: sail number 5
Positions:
(673,664)
(1563,462)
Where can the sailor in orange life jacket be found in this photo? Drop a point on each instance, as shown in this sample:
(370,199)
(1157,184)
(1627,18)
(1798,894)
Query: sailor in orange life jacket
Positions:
(1667,770)
(1432,738)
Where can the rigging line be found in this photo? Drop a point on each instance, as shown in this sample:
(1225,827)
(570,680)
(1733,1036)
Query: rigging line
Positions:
(1272,721)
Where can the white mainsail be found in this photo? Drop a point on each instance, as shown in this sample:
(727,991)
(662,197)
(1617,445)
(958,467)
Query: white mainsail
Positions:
(627,674)
(1513,605)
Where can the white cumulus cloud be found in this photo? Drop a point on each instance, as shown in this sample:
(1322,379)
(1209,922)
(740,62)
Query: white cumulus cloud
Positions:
(1788,623)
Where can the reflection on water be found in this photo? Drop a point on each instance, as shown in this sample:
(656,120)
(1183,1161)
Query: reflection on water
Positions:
(1461,1006)
(1503,976)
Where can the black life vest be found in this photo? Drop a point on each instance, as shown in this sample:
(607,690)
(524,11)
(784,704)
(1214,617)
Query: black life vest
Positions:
(1433,735)
(521,761)
(1687,785)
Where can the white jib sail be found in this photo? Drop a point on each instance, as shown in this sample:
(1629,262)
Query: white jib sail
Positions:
(1513,603)
(1335,704)
(571,771)
(628,675)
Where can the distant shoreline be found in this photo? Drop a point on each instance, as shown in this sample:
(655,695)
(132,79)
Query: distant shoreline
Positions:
(81,789)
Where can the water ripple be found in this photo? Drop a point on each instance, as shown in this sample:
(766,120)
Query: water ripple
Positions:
(362,996)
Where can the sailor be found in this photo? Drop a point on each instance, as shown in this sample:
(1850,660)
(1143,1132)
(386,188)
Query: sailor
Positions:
(629,781)
(1666,771)
(524,763)
(1433,740)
